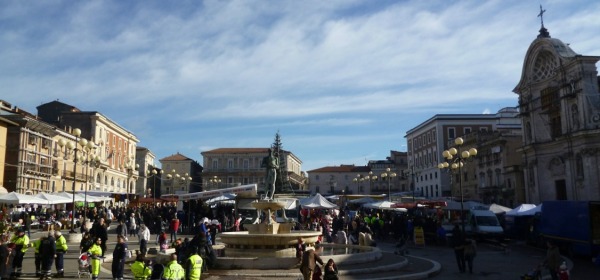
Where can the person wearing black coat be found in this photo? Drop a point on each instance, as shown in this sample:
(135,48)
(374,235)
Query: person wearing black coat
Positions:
(47,252)
(119,257)
(99,230)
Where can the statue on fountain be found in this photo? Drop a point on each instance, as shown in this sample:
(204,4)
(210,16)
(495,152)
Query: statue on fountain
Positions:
(270,162)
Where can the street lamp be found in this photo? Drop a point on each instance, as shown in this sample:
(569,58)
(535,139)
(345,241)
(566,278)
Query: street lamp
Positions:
(372,178)
(90,159)
(153,173)
(456,164)
(388,175)
(215,181)
(73,146)
(358,180)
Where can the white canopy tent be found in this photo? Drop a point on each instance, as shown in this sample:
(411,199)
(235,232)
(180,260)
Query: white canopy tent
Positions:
(316,202)
(499,209)
(519,210)
(52,198)
(363,200)
(19,198)
(384,204)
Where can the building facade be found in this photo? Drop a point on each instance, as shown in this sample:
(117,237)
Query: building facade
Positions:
(343,179)
(559,100)
(427,141)
(113,151)
(229,167)
(182,175)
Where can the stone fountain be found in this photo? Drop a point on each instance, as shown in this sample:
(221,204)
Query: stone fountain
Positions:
(266,238)
(271,245)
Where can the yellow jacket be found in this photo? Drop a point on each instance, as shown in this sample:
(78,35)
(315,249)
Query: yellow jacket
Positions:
(61,244)
(22,241)
(173,271)
(140,270)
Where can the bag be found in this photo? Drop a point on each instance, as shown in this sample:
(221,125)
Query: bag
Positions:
(129,255)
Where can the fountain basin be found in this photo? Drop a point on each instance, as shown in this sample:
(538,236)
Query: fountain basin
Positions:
(243,243)
(346,254)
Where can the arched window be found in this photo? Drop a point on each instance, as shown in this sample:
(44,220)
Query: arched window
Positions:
(112,182)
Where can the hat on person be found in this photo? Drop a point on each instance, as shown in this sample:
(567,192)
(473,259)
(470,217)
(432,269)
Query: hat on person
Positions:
(215,222)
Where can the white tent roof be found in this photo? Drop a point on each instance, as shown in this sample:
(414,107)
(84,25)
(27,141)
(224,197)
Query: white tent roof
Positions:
(532,211)
(53,198)
(520,210)
(317,202)
(384,204)
(363,200)
(499,209)
(19,198)
(70,196)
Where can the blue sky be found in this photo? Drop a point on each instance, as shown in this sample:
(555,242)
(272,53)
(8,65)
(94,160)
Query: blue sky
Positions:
(342,81)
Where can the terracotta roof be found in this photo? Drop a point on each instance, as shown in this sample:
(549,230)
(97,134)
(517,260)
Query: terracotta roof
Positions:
(237,151)
(176,157)
(342,168)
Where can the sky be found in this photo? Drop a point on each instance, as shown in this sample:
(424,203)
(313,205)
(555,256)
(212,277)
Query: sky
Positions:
(341,81)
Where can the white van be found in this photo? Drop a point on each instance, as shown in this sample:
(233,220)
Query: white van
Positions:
(483,224)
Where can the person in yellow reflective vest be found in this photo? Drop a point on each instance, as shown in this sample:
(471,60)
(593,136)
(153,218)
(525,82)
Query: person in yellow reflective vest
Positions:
(193,265)
(61,250)
(139,268)
(96,253)
(173,270)
(37,259)
(21,242)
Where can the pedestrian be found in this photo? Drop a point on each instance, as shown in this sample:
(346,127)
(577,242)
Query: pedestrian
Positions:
(27,223)
(193,265)
(470,253)
(96,253)
(132,228)
(173,270)
(144,236)
(458,243)
(310,258)
(86,242)
(37,260)
(300,249)
(100,230)
(162,241)
(61,250)
(553,259)
(174,227)
(4,253)
(331,271)
(121,229)
(119,257)
(140,270)
(47,253)
(21,242)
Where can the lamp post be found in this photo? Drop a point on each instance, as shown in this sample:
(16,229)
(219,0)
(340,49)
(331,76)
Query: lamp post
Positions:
(215,181)
(73,146)
(89,159)
(388,174)
(372,178)
(153,173)
(456,163)
(358,180)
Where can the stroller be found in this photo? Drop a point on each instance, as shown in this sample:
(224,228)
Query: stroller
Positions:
(84,268)
(535,274)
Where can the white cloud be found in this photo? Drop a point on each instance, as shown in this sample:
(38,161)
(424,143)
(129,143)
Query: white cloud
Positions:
(252,66)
